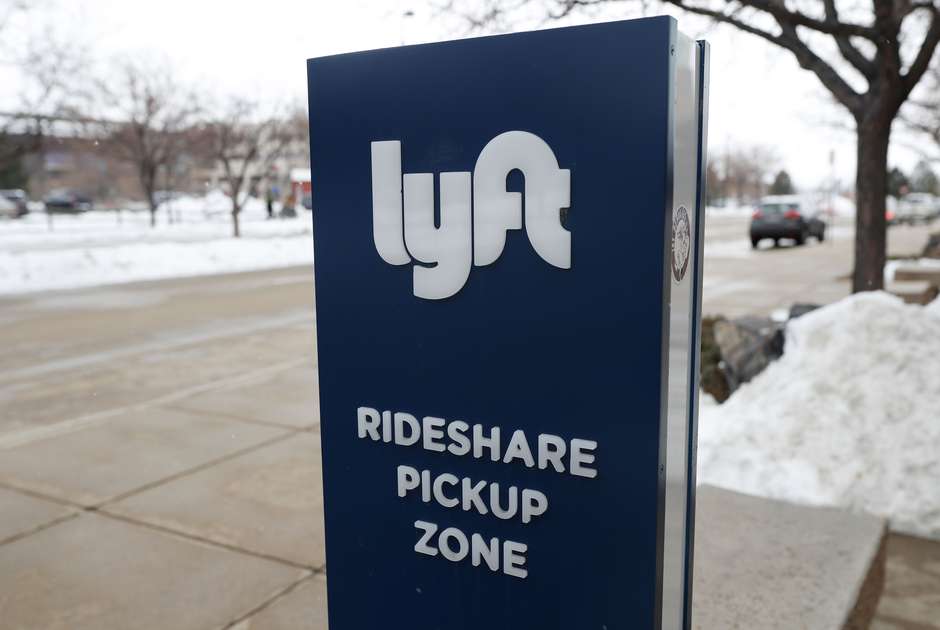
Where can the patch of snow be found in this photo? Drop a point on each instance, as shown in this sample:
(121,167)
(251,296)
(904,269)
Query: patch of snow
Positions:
(730,210)
(215,204)
(780,315)
(891,267)
(849,416)
(109,247)
(934,308)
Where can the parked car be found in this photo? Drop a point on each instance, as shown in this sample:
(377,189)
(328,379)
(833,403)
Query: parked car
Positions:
(7,208)
(786,216)
(19,200)
(916,208)
(67,201)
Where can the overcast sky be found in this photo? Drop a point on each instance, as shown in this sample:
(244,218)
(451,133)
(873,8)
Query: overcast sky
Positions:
(758,95)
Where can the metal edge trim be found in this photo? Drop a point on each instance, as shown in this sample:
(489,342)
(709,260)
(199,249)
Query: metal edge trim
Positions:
(704,56)
(665,323)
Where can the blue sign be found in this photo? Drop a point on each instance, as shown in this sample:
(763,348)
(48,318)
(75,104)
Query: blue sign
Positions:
(508,277)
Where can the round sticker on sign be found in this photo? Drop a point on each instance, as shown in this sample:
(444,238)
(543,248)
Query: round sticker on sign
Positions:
(681,242)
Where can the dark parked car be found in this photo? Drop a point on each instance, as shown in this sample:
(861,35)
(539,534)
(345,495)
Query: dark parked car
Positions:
(67,201)
(786,216)
(19,199)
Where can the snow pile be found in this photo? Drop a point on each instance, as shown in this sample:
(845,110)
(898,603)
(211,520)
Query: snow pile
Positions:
(100,247)
(934,309)
(849,416)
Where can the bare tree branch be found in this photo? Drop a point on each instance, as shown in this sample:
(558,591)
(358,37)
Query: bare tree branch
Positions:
(789,39)
(849,52)
(777,9)
(925,54)
(774,8)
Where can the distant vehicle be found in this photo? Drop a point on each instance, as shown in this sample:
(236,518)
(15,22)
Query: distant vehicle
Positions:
(916,208)
(67,201)
(7,208)
(20,201)
(786,216)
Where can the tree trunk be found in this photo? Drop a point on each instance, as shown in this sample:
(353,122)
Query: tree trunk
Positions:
(152,206)
(236,232)
(871,185)
(148,181)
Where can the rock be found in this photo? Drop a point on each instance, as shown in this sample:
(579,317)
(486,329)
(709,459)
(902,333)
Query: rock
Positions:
(735,351)
(799,309)
(747,346)
(713,379)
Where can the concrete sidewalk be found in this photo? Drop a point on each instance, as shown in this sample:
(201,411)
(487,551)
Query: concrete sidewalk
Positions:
(159,457)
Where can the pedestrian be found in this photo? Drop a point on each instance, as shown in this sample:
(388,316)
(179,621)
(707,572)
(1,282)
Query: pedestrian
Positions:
(269,201)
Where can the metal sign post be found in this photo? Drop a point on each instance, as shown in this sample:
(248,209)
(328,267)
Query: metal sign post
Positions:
(508,239)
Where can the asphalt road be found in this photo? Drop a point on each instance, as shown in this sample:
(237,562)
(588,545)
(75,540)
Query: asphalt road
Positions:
(96,384)
(741,281)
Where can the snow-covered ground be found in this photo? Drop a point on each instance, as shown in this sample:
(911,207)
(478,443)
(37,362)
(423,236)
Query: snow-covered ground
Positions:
(107,247)
(849,416)
(730,210)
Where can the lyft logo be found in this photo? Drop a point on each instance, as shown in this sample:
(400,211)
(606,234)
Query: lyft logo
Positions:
(403,211)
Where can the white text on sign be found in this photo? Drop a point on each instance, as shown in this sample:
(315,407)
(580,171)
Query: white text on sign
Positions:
(456,437)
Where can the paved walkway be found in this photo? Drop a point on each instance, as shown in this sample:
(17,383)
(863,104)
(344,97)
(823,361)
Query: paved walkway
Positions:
(159,456)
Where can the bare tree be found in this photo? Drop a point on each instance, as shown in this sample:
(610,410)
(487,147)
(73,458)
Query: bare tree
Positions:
(887,44)
(741,173)
(148,113)
(9,10)
(246,143)
(747,171)
(53,72)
